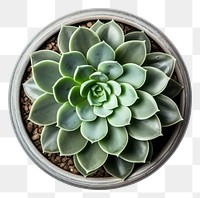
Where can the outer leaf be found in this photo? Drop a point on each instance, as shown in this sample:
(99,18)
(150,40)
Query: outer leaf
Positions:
(82,39)
(82,73)
(169,113)
(99,53)
(156,81)
(70,143)
(99,76)
(31,89)
(145,129)
(95,130)
(144,107)
(173,89)
(45,74)
(67,118)
(115,141)
(112,69)
(44,110)
(86,86)
(115,87)
(107,31)
(150,155)
(42,55)
(141,36)
(62,87)
(92,157)
(69,62)
(131,52)
(136,151)
(162,61)
(102,112)
(85,111)
(120,117)
(133,74)
(96,25)
(111,103)
(128,95)
(117,167)
(49,139)
(64,37)
(74,96)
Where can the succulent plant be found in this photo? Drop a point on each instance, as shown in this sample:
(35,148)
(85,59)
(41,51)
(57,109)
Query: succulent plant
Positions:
(103,98)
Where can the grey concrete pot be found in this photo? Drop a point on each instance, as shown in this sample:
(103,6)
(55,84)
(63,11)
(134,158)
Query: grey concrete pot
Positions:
(171,143)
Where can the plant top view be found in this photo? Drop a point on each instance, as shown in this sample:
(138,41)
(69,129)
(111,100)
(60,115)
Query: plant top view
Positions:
(103,98)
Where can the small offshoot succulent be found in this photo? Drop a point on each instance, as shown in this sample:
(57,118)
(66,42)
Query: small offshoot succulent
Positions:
(104,98)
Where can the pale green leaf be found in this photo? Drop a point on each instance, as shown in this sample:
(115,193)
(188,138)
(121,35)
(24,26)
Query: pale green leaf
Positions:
(74,96)
(96,25)
(105,87)
(115,87)
(102,112)
(95,100)
(99,77)
(111,102)
(86,86)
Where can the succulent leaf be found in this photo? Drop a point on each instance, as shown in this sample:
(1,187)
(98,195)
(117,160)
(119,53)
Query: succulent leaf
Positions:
(45,74)
(91,157)
(99,76)
(82,39)
(49,139)
(96,101)
(44,110)
(106,32)
(115,87)
(145,129)
(42,55)
(32,90)
(118,167)
(144,107)
(169,113)
(141,36)
(74,96)
(96,25)
(105,87)
(162,61)
(85,87)
(67,118)
(115,141)
(133,74)
(102,112)
(64,37)
(99,53)
(69,62)
(70,142)
(131,52)
(111,103)
(156,81)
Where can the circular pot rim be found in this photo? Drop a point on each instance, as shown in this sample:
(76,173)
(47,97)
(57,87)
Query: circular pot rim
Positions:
(15,87)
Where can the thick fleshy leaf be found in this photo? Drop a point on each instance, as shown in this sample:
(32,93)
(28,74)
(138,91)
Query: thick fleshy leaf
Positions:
(62,87)
(45,74)
(99,76)
(111,103)
(96,101)
(141,36)
(67,118)
(64,37)
(144,107)
(133,74)
(105,87)
(169,113)
(86,86)
(85,111)
(128,95)
(74,96)
(115,87)
(42,55)
(115,141)
(94,130)
(83,72)
(102,112)
(96,25)
(69,62)
(145,129)
(71,142)
(91,157)
(112,69)
(136,151)
(44,110)
(131,52)
(82,39)
(31,89)
(118,167)
(120,117)
(173,89)
(99,53)
(106,32)
(49,139)
(162,61)
(156,81)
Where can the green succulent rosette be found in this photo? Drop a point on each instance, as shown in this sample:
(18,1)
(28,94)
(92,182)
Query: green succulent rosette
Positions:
(104,98)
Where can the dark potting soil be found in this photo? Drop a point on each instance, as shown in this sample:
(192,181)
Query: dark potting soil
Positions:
(34,131)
